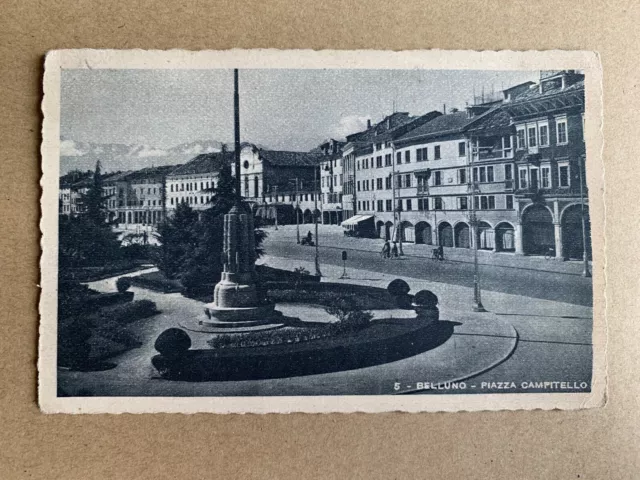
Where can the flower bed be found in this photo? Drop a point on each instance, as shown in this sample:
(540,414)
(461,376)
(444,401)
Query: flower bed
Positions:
(382,342)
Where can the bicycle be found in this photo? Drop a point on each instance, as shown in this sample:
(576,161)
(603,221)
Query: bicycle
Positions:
(550,253)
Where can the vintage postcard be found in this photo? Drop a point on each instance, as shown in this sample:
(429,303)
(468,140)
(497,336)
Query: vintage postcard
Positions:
(322,231)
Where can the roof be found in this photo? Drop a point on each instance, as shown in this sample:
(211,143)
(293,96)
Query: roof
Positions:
(388,123)
(451,123)
(534,93)
(145,173)
(204,163)
(292,159)
(493,122)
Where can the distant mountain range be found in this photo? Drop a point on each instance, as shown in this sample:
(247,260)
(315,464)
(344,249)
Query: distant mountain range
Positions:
(116,156)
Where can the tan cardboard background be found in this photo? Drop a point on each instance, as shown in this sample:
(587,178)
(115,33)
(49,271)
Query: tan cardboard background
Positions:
(598,444)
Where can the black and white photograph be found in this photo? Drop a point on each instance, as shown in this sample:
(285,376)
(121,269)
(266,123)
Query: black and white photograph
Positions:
(273,231)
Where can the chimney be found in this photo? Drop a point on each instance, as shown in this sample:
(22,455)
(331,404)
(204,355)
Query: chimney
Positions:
(444,108)
(368,123)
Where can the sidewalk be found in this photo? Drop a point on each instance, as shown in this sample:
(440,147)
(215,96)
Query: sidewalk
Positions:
(332,236)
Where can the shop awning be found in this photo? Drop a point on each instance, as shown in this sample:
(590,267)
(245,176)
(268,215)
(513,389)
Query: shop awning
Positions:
(356,219)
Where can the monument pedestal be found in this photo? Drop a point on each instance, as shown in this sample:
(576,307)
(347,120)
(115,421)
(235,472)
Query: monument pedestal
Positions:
(236,302)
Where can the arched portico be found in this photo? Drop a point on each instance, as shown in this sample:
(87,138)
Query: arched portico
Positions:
(485,236)
(571,227)
(307,216)
(538,236)
(423,233)
(462,235)
(505,237)
(407,231)
(445,234)
(388,228)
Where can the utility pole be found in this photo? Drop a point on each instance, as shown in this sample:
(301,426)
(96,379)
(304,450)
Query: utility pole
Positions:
(297,213)
(477,302)
(315,219)
(275,187)
(585,258)
(399,207)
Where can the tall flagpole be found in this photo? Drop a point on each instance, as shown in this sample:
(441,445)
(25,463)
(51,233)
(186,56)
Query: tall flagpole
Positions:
(236,108)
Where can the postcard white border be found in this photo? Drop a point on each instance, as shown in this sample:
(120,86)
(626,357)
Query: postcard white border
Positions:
(589,62)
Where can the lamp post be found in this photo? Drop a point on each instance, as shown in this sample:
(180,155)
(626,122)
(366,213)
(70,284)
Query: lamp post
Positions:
(477,301)
(585,272)
(315,220)
(275,188)
(297,213)
(396,208)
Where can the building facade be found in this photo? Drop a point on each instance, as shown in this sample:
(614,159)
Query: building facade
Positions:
(193,182)
(506,175)
(551,192)
(287,182)
(331,181)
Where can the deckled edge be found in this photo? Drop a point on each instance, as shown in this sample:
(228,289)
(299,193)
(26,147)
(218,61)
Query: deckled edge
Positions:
(52,404)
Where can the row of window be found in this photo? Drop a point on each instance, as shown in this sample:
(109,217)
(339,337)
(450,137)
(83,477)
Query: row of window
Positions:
(536,134)
(481,202)
(330,182)
(189,186)
(191,200)
(422,155)
(534,177)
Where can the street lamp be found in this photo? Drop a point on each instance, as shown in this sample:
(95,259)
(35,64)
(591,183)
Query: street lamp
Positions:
(585,258)
(396,208)
(477,302)
(297,212)
(315,219)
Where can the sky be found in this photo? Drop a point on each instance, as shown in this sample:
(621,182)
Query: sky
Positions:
(280,109)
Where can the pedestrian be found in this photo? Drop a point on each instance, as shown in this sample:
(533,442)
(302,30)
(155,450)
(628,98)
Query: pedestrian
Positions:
(394,250)
(386,249)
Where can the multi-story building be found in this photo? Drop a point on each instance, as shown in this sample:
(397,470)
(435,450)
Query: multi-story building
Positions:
(192,182)
(550,187)
(140,196)
(331,181)
(369,166)
(506,175)
(72,186)
(287,181)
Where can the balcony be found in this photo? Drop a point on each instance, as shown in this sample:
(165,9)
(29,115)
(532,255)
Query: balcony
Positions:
(491,153)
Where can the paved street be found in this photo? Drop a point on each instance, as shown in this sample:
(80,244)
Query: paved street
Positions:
(527,276)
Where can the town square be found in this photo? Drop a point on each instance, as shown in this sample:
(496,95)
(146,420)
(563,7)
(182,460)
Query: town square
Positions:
(429,235)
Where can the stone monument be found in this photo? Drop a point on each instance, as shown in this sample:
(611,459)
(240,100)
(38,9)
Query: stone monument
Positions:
(236,302)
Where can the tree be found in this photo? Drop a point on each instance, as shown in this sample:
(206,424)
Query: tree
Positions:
(177,238)
(87,238)
(203,264)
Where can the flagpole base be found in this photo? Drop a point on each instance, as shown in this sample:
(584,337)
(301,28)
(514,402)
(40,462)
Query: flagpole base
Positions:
(478,307)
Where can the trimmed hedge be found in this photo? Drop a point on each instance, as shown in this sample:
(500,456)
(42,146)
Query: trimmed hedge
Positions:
(155,281)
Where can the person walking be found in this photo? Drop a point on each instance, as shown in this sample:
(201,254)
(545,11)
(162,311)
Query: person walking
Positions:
(394,250)
(386,249)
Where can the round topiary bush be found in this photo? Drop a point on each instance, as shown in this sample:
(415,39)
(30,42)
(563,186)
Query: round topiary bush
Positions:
(123,284)
(398,287)
(425,298)
(173,342)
